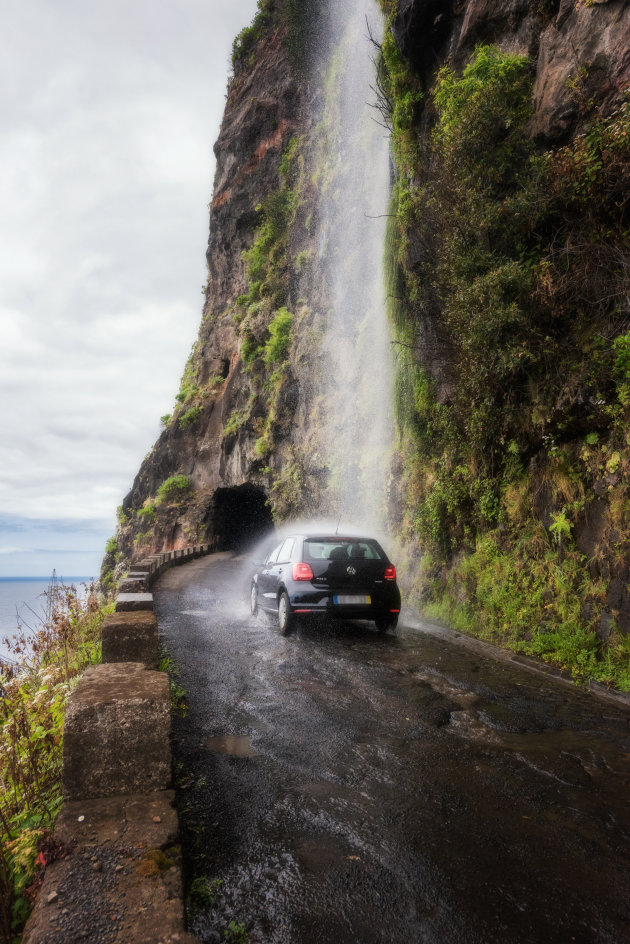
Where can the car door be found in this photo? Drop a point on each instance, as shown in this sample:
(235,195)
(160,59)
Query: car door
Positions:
(266,578)
(276,574)
(283,565)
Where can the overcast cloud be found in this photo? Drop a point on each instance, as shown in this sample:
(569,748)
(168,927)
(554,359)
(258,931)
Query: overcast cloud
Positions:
(108,115)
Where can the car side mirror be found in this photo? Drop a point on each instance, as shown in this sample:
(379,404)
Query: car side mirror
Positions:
(256,562)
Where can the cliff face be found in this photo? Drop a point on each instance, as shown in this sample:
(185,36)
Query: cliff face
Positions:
(562,38)
(251,435)
(507,258)
(509,251)
(206,440)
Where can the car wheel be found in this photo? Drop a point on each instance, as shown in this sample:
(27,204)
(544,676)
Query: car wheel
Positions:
(285,615)
(386,624)
(253,600)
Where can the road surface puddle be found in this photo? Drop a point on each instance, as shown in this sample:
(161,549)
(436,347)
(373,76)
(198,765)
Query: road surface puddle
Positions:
(232,745)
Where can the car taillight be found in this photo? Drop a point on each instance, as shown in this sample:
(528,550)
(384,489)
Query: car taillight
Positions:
(390,572)
(302,572)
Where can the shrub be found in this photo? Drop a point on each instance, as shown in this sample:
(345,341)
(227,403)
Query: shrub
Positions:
(33,695)
(279,342)
(250,349)
(244,43)
(147,512)
(173,490)
(236,419)
(190,418)
(621,368)
(112,546)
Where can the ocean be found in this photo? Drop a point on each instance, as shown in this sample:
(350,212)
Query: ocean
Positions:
(24,596)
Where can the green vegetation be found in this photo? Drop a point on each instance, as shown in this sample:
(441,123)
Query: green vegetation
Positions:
(178,693)
(235,933)
(264,322)
(148,511)
(33,695)
(277,347)
(243,45)
(173,490)
(111,558)
(190,418)
(189,384)
(290,492)
(236,419)
(267,262)
(143,538)
(522,272)
(202,894)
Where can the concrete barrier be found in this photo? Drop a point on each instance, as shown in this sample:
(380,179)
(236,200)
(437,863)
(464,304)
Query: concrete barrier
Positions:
(131,637)
(130,602)
(133,585)
(121,880)
(116,732)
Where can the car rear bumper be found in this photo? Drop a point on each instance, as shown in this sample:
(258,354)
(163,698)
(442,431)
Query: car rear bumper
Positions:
(382,603)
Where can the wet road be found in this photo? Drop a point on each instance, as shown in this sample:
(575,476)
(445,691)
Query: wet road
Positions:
(350,787)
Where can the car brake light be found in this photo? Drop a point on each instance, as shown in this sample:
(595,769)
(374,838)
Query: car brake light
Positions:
(302,572)
(390,572)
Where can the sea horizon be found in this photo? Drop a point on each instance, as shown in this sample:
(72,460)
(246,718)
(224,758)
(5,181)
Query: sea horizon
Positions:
(23,603)
(59,577)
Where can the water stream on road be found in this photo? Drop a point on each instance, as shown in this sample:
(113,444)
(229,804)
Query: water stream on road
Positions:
(340,785)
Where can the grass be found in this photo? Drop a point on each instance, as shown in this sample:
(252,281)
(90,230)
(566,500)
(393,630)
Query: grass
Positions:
(34,689)
(534,596)
(173,490)
(178,692)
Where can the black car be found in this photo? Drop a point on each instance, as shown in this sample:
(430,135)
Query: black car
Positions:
(342,577)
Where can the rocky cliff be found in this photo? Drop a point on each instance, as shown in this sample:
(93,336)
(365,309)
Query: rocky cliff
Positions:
(507,280)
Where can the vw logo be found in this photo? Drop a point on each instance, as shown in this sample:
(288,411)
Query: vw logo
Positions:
(352,571)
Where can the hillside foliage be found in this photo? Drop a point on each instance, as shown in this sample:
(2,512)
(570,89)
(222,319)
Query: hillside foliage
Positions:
(518,259)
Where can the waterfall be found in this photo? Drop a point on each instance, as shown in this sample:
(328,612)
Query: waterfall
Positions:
(357,378)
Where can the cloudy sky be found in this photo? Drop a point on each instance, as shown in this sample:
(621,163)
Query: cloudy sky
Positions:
(108,113)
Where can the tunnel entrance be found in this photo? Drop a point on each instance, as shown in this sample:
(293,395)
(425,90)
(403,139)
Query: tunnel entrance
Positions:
(241,517)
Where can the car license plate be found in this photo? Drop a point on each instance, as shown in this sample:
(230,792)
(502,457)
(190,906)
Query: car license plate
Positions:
(352,600)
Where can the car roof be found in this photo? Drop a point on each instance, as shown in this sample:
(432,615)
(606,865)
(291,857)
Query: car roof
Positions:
(333,537)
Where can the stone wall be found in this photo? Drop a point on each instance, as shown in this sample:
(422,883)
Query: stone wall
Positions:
(120,879)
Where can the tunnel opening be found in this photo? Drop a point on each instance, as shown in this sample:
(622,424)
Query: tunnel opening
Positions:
(242,517)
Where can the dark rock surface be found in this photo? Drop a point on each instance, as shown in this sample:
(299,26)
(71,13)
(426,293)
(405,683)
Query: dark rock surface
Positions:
(565,40)
(588,42)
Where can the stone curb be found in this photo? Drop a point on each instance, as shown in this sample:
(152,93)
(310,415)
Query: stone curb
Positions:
(121,880)
(116,732)
(131,637)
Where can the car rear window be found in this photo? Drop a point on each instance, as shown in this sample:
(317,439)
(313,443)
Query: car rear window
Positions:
(341,549)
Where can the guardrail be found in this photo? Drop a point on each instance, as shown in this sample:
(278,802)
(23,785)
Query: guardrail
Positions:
(120,878)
